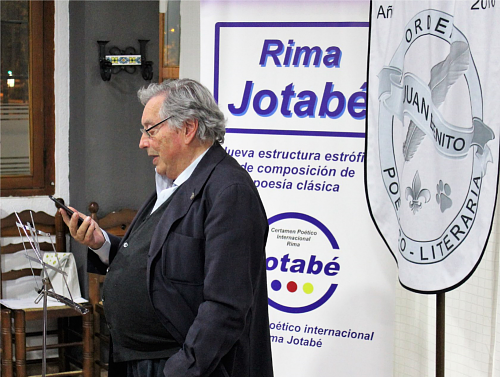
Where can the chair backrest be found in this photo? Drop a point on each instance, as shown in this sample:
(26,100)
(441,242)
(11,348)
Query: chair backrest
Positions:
(15,266)
(116,223)
(44,222)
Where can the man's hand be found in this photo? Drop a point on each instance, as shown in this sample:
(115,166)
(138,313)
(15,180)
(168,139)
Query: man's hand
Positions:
(88,234)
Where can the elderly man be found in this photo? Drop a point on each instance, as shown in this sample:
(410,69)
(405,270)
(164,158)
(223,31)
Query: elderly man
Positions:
(185,292)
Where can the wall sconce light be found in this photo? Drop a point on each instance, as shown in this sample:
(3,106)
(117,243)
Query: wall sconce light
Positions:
(124,60)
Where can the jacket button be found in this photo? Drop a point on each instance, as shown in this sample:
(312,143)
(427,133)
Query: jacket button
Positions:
(125,244)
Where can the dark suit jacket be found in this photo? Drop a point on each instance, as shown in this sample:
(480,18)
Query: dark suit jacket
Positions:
(206,272)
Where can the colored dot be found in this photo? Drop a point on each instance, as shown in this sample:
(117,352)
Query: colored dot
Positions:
(308,288)
(276,285)
(291,286)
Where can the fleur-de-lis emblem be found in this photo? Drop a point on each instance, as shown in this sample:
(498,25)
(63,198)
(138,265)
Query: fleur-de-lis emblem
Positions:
(417,194)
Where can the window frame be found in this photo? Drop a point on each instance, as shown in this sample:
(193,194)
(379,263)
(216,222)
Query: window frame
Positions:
(41,181)
(164,72)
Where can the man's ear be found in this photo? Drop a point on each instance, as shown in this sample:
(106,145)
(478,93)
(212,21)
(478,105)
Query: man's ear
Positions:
(189,131)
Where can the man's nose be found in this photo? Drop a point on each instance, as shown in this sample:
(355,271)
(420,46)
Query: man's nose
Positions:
(144,142)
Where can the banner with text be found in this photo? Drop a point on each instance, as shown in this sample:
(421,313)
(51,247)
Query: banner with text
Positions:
(432,151)
(291,79)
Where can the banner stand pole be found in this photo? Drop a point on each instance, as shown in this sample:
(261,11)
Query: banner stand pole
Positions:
(440,331)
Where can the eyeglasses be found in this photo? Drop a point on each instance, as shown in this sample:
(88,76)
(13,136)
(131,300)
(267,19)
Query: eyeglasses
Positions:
(146,130)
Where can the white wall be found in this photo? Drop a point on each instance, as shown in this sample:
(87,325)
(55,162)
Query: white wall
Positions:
(190,40)
(61,86)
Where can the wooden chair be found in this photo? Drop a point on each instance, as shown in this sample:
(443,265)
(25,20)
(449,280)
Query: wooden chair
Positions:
(55,226)
(115,223)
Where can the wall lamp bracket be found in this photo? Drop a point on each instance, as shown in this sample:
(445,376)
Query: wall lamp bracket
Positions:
(118,60)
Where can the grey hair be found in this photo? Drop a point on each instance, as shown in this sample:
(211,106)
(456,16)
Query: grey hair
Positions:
(185,100)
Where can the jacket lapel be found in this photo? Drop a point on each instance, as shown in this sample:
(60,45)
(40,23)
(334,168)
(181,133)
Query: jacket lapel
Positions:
(185,196)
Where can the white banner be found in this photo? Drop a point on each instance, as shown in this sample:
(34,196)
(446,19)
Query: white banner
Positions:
(432,151)
(291,79)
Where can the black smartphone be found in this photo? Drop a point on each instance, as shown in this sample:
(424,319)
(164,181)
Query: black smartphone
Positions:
(59,204)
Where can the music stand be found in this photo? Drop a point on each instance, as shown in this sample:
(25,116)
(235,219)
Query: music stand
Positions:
(31,233)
